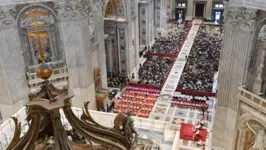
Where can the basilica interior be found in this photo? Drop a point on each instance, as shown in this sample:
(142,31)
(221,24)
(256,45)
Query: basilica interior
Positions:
(132,75)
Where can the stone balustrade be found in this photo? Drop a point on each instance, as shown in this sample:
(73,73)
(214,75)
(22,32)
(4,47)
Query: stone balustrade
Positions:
(252,99)
(59,78)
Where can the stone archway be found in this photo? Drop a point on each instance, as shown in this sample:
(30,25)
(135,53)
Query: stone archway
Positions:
(115,31)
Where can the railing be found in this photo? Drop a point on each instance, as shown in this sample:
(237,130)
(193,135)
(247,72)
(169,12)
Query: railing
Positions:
(54,64)
(249,97)
(57,71)
(59,78)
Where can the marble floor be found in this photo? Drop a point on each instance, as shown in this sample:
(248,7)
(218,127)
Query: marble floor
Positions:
(174,116)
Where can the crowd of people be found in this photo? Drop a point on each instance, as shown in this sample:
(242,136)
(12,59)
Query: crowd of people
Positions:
(117,80)
(171,43)
(154,70)
(202,62)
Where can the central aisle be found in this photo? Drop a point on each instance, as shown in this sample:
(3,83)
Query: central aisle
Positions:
(173,78)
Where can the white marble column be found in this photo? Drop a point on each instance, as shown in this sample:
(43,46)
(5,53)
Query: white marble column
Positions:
(109,52)
(190,7)
(238,32)
(98,13)
(14,89)
(169,8)
(209,7)
(137,29)
(157,13)
(173,4)
(160,14)
(14,86)
(76,42)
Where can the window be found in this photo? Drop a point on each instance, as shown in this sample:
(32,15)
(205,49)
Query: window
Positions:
(218,5)
(181,4)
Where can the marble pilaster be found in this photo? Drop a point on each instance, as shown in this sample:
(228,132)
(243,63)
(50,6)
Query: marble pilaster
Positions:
(75,33)
(15,86)
(169,9)
(238,32)
(157,12)
(136,40)
(143,23)
(209,7)
(160,14)
(109,52)
(146,20)
(236,44)
(151,22)
(101,56)
(123,48)
(190,7)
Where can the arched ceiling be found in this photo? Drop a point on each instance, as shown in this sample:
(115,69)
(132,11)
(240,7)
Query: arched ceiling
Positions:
(115,9)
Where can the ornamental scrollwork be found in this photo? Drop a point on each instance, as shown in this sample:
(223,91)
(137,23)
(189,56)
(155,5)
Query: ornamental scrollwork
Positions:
(241,18)
(143,25)
(122,44)
(74,9)
(133,8)
(158,11)
(7,18)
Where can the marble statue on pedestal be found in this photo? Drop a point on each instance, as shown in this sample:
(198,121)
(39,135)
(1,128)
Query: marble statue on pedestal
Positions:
(258,80)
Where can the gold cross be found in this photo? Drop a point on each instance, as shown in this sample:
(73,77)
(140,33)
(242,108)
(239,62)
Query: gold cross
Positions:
(39,36)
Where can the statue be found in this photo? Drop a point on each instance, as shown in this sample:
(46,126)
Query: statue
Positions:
(260,138)
(125,125)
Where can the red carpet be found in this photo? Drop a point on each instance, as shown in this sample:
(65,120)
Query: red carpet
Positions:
(187,134)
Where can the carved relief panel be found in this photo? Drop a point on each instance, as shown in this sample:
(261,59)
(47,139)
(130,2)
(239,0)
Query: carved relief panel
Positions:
(158,13)
(241,18)
(143,25)
(122,46)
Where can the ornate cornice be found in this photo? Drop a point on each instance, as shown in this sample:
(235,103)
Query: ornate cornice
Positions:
(241,18)
(73,10)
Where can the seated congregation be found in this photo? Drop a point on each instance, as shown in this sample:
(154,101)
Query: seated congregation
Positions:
(117,80)
(202,62)
(171,44)
(154,70)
